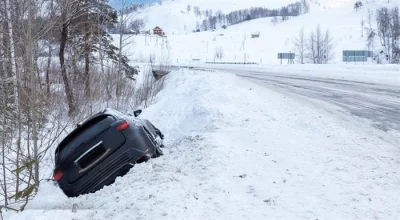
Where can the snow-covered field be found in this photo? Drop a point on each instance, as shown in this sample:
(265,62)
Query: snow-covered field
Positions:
(236,150)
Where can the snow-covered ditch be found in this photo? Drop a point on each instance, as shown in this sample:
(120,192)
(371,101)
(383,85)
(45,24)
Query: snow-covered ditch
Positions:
(236,150)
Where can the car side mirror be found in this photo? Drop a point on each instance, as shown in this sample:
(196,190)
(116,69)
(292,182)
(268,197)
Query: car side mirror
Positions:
(137,112)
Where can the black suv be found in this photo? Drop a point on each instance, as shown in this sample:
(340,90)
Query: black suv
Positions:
(102,148)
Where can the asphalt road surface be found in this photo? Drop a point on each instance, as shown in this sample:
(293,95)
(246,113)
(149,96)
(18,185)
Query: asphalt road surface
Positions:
(379,104)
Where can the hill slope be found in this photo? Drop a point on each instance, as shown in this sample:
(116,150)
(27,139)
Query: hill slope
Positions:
(339,17)
(172,15)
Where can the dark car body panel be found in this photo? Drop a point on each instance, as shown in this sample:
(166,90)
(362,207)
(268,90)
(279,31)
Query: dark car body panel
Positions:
(114,152)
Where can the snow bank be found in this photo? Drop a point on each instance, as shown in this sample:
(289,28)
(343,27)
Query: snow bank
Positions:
(236,150)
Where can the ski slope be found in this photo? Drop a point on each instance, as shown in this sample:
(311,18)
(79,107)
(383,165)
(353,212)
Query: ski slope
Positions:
(236,150)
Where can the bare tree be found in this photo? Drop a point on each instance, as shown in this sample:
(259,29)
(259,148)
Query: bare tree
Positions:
(320,46)
(384,32)
(205,25)
(12,50)
(136,25)
(124,19)
(388,30)
(15,77)
(23,117)
(305,6)
(395,33)
(362,23)
(197,11)
(300,45)
(370,31)
(50,49)
(328,46)
(219,53)
(68,11)
(239,16)
(311,48)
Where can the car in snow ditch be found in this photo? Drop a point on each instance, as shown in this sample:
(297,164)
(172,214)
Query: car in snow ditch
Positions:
(102,148)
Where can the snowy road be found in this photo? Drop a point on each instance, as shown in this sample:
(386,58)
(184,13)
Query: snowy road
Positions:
(377,103)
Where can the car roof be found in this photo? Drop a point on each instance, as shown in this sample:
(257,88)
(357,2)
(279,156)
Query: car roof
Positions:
(107,111)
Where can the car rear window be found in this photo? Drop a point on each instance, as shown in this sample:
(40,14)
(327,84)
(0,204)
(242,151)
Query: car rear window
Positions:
(92,156)
(83,134)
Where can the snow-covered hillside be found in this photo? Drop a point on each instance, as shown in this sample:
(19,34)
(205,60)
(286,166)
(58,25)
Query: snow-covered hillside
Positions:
(182,46)
(172,15)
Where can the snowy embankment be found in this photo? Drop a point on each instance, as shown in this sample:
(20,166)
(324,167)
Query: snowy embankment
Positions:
(236,150)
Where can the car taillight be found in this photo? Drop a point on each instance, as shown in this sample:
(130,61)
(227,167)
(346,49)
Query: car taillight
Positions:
(57,175)
(123,126)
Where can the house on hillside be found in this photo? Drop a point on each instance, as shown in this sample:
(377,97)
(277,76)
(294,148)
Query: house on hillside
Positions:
(158,31)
